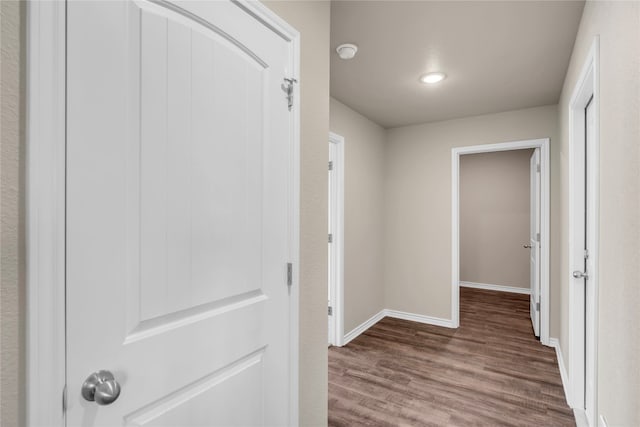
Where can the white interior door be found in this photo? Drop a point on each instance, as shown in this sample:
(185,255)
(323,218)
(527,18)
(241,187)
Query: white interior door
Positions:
(534,240)
(590,297)
(178,214)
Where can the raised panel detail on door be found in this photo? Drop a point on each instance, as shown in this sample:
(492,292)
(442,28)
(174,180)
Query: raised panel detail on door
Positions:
(178,213)
(200,129)
(242,381)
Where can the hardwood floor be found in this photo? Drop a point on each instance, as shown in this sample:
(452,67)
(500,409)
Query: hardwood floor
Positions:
(491,371)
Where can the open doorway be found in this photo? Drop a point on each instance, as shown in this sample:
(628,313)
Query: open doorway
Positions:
(335,240)
(538,236)
(500,224)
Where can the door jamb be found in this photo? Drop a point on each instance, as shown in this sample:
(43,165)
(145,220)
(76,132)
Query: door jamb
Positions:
(338,241)
(587,85)
(46,200)
(456,152)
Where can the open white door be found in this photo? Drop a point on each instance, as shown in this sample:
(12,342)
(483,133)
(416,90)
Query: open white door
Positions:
(180,214)
(534,240)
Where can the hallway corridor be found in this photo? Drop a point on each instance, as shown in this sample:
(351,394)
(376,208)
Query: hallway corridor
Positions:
(491,371)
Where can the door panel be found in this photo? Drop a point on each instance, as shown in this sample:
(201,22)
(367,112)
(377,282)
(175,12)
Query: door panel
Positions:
(191,223)
(590,297)
(227,393)
(177,213)
(534,232)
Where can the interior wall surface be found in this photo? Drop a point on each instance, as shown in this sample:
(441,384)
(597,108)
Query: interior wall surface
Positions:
(12,210)
(418,217)
(363,213)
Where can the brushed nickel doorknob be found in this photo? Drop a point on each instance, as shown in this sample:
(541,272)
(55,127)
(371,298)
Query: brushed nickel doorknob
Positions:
(101,387)
(527,246)
(580,275)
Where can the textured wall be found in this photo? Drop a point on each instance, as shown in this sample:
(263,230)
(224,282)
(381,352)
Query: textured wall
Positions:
(495,218)
(618,25)
(363,212)
(311,19)
(418,204)
(12,289)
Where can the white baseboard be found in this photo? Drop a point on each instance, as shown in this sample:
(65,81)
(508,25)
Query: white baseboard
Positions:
(499,288)
(555,343)
(581,418)
(363,327)
(602,421)
(436,321)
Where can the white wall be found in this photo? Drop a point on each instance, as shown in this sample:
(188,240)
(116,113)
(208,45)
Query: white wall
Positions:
(495,218)
(364,205)
(618,25)
(12,256)
(418,204)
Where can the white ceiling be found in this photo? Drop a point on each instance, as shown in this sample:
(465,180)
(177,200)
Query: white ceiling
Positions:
(498,55)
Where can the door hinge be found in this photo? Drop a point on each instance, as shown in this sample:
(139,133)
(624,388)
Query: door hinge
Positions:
(64,399)
(330,166)
(288,88)
(537,168)
(289,274)
(537,237)
(537,306)
(330,238)
(586,254)
(330,311)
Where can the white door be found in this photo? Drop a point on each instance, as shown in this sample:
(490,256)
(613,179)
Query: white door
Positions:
(534,241)
(590,298)
(178,214)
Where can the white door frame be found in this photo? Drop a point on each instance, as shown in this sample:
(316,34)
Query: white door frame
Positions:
(587,86)
(336,273)
(46,201)
(456,152)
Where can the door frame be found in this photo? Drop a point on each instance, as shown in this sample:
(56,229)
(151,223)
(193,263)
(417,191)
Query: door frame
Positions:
(587,86)
(46,201)
(543,145)
(337,263)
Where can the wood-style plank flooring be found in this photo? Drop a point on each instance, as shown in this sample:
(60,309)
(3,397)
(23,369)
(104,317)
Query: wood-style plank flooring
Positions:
(491,371)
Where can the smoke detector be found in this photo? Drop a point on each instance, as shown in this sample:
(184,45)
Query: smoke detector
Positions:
(347,50)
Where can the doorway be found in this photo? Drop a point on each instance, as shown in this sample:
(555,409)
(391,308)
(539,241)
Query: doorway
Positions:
(583,240)
(542,147)
(500,224)
(335,241)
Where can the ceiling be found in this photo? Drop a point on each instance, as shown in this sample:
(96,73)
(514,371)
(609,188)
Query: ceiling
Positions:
(498,56)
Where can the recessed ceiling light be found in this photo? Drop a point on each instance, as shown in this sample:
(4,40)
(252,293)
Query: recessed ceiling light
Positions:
(347,50)
(433,77)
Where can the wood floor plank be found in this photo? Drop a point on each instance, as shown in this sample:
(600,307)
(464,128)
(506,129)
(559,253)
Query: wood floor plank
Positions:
(491,371)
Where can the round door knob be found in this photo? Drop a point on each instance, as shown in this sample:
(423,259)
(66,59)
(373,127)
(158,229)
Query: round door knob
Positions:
(580,275)
(101,387)
(527,246)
